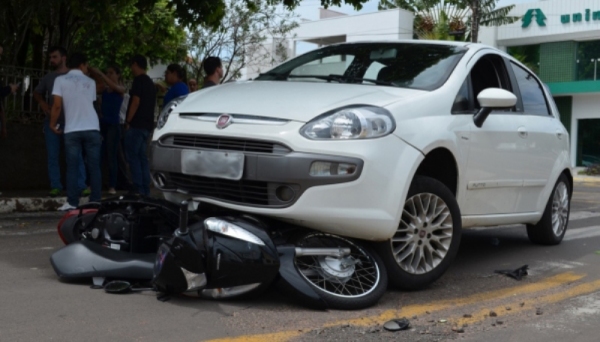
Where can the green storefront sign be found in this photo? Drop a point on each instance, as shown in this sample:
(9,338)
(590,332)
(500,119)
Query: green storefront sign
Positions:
(540,18)
(578,17)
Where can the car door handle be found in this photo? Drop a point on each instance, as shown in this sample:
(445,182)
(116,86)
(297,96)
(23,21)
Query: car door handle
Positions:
(523,132)
(559,134)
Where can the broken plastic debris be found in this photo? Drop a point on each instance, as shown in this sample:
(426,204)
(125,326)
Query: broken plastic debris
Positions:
(515,274)
(396,324)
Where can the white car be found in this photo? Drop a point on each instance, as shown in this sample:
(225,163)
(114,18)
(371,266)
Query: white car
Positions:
(404,143)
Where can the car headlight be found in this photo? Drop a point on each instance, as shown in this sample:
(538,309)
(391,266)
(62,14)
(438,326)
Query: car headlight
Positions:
(167,110)
(357,122)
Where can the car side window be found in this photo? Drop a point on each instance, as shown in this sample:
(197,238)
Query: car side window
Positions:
(489,72)
(532,95)
(463,103)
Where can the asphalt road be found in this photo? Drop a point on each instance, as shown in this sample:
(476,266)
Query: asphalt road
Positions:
(559,300)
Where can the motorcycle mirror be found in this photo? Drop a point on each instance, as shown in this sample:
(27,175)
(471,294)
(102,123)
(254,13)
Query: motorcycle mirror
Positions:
(118,286)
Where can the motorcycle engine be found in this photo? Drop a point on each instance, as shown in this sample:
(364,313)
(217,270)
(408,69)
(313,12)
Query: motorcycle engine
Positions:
(113,227)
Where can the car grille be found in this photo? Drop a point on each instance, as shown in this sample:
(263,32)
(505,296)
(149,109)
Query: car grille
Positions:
(242,191)
(220,143)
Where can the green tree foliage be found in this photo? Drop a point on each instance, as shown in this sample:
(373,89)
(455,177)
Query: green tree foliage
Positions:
(467,15)
(152,32)
(247,35)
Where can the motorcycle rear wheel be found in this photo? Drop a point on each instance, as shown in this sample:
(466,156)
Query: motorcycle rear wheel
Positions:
(353,282)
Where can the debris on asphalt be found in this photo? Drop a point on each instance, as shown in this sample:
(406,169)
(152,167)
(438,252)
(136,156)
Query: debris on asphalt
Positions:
(467,316)
(458,330)
(427,312)
(508,308)
(493,314)
(538,311)
(522,304)
(598,252)
(499,322)
(396,324)
(414,317)
(515,274)
(465,325)
(443,321)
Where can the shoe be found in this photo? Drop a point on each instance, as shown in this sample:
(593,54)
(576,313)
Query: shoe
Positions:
(54,192)
(86,193)
(112,191)
(66,207)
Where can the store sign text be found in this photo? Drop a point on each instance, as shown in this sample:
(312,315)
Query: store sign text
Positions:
(579,17)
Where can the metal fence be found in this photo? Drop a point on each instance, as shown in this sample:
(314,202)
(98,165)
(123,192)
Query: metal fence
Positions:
(21,107)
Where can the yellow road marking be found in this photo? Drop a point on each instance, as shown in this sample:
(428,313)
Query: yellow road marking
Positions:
(516,307)
(420,309)
(274,337)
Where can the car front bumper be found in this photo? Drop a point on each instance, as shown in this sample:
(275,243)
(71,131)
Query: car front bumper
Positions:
(366,204)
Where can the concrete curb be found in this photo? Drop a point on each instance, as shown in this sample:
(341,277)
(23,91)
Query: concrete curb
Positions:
(33,204)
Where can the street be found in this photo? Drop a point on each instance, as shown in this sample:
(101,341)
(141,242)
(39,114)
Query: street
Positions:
(559,300)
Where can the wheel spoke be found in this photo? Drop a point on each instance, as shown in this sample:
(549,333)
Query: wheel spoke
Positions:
(424,235)
(332,275)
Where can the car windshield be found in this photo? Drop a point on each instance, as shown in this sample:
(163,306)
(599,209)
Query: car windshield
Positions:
(405,65)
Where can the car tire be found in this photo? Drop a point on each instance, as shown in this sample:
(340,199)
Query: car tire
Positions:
(435,231)
(551,229)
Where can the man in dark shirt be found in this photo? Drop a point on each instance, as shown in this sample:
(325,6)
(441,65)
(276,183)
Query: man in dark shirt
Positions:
(139,124)
(214,72)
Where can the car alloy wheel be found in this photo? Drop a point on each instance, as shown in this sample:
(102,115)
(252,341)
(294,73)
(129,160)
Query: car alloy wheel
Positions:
(424,236)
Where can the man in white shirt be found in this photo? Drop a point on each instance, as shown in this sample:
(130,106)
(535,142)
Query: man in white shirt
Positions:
(76,93)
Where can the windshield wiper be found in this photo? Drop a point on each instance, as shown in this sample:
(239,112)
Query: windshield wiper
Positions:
(342,79)
(352,79)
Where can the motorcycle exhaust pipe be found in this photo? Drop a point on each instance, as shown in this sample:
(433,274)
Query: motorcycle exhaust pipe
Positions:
(333,252)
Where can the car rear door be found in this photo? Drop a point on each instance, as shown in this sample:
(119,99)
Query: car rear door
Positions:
(544,137)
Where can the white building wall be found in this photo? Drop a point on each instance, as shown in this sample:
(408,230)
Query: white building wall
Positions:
(555,30)
(381,25)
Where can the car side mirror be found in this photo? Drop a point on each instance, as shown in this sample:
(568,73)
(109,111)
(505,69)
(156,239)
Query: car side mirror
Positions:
(490,99)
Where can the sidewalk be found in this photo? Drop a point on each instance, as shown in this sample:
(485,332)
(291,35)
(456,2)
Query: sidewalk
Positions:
(38,200)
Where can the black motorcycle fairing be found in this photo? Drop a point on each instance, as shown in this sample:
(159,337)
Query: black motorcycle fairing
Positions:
(291,278)
(84,259)
(180,258)
(233,262)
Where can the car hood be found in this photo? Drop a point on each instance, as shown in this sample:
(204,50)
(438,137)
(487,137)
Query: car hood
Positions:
(298,101)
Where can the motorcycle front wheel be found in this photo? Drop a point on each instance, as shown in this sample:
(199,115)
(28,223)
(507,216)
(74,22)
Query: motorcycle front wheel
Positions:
(351,282)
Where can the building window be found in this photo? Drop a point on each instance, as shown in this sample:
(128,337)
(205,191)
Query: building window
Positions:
(588,61)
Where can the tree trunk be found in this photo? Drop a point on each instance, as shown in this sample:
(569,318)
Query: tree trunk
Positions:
(475,20)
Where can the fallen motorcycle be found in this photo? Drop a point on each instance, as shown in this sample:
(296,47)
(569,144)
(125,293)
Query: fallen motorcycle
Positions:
(214,253)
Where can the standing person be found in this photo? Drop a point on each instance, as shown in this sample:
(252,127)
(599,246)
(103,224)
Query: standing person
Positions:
(139,124)
(43,93)
(214,72)
(4,92)
(76,93)
(112,100)
(192,85)
(174,76)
